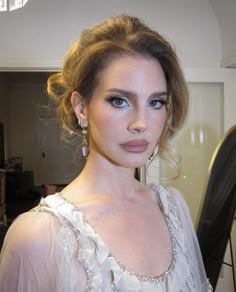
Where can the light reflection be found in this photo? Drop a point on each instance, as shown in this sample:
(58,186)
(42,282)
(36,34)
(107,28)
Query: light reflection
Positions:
(192,137)
(201,136)
(10,5)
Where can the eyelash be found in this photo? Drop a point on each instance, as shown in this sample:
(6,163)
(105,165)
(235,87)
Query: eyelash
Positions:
(161,102)
(114,99)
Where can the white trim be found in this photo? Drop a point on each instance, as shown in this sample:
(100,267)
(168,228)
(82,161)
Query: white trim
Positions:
(30,65)
(208,74)
(226,76)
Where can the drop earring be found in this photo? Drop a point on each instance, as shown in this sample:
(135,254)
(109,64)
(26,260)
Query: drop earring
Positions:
(80,123)
(84,142)
(154,154)
(84,148)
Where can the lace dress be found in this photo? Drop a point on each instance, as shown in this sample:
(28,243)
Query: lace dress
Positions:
(54,248)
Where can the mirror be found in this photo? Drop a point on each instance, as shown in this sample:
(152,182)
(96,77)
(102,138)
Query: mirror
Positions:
(218,211)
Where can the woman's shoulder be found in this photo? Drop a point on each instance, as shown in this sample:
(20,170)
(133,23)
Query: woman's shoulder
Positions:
(179,207)
(177,196)
(37,250)
(30,230)
(180,201)
(168,192)
(173,198)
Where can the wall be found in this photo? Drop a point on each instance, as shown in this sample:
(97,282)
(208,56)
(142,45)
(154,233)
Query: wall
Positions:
(24,100)
(39,34)
(225,12)
(35,135)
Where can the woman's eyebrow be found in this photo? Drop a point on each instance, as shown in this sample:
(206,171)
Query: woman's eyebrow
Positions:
(133,94)
(159,94)
(122,91)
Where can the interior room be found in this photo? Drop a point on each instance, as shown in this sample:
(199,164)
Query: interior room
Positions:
(34,41)
(32,124)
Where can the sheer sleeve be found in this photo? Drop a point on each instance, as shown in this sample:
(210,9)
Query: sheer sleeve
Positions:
(192,241)
(39,254)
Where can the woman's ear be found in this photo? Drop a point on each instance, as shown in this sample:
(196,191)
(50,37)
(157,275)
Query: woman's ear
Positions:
(79,107)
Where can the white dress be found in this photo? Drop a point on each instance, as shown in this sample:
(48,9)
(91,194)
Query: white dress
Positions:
(54,249)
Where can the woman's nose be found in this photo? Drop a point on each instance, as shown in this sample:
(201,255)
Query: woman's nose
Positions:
(138,122)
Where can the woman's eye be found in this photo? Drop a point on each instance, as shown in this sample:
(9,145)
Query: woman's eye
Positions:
(118,101)
(157,103)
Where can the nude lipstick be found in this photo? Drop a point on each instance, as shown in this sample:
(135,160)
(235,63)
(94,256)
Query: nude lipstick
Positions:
(135,146)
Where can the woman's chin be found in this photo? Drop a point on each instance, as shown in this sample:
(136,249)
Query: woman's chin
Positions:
(136,164)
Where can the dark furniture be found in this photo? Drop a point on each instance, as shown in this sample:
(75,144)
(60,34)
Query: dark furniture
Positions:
(2,194)
(21,196)
(20,193)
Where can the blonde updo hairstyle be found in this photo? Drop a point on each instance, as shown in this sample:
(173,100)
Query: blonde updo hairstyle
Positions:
(97,47)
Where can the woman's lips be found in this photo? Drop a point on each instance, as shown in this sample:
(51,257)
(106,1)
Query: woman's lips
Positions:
(135,146)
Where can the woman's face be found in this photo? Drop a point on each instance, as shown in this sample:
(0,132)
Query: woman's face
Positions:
(127,111)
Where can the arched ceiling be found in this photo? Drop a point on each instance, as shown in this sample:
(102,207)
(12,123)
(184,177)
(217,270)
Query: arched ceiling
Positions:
(225,12)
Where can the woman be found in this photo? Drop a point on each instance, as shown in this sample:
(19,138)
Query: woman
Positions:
(122,85)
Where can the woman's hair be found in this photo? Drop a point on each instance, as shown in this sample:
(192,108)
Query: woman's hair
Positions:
(115,37)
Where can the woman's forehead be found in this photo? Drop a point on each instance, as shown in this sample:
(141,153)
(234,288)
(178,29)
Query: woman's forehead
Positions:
(128,72)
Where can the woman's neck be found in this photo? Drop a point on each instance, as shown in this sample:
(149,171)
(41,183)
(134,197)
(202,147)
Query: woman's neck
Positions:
(102,177)
(108,178)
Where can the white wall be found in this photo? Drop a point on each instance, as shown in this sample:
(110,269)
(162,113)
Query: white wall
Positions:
(225,12)
(39,34)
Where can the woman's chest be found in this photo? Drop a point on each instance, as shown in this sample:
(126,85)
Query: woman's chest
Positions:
(138,236)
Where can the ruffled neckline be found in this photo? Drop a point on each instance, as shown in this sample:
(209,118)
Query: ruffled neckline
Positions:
(92,232)
(101,265)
